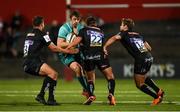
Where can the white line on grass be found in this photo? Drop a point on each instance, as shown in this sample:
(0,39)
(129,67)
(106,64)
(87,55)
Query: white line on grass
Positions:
(74,91)
(76,95)
(90,111)
(125,102)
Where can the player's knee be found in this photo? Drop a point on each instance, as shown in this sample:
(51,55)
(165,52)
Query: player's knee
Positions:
(54,75)
(110,76)
(138,85)
(76,69)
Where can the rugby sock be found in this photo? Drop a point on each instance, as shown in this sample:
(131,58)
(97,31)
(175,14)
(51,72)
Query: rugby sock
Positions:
(52,88)
(44,87)
(151,83)
(91,88)
(146,90)
(83,82)
(111,86)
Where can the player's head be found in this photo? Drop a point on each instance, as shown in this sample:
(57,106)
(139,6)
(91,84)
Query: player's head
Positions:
(75,18)
(127,24)
(91,21)
(38,22)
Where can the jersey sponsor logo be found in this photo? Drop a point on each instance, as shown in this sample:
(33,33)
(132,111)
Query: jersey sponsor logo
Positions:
(95,57)
(46,37)
(95,38)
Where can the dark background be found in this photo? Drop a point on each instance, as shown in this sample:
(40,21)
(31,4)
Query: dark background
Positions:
(159,25)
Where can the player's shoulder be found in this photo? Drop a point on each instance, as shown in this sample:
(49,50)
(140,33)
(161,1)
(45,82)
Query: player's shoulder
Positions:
(80,26)
(66,27)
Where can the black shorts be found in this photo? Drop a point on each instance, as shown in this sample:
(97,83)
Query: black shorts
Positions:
(32,66)
(102,64)
(142,66)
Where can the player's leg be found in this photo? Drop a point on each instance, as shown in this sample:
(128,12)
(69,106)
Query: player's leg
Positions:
(141,67)
(91,79)
(32,66)
(50,82)
(77,68)
(111,84)
(89,67)
(106,69)
(69,60)
(139,80)
(91,87)
(153,85)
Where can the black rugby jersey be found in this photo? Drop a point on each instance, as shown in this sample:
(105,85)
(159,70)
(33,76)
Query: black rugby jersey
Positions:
(92,42)
(134,43)
(34,42)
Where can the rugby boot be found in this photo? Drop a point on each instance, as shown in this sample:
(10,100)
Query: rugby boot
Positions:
(157,101)
(111,99)
(40,99)
(90,100)
(52,102)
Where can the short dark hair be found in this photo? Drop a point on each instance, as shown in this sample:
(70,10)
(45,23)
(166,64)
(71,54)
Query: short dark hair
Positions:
(91,21)
(37,20)
(75,13)
(129,22)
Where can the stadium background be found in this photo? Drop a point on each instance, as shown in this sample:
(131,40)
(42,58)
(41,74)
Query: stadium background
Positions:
(157,20)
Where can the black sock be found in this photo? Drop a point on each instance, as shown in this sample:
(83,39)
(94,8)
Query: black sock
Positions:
(44,87)
(91,88)
(83,82)
(151,83)
(52,88)
(111,86)
(146,90)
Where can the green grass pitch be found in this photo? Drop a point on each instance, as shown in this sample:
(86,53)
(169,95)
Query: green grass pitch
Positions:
(19,94)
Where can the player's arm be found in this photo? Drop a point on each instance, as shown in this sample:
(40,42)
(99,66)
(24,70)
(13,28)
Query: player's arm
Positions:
(61,40)
(55,48)
(147,46)
(62,43)
(110,41)
(75,42)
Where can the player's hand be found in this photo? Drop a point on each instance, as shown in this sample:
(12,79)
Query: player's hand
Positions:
(73,51)
(105,51)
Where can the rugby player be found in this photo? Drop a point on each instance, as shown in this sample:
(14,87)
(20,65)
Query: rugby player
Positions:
(139,49)
(72,61)
(33,64)
(92,40)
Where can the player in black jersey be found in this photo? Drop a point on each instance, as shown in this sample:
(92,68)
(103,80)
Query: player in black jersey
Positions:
(140,51)
(91,39)
(33,64)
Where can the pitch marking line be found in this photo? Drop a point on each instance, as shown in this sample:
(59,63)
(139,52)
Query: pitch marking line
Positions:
(91,111)
(75,91)
(99,102)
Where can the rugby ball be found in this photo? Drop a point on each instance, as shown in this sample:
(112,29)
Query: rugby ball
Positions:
(70,37)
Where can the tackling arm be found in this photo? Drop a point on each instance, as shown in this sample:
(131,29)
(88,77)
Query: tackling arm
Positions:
(61,43)
(75,42)
(55,48)
(109,42)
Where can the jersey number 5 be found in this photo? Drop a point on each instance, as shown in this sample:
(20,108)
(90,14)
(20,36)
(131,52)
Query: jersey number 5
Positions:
(26,46)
